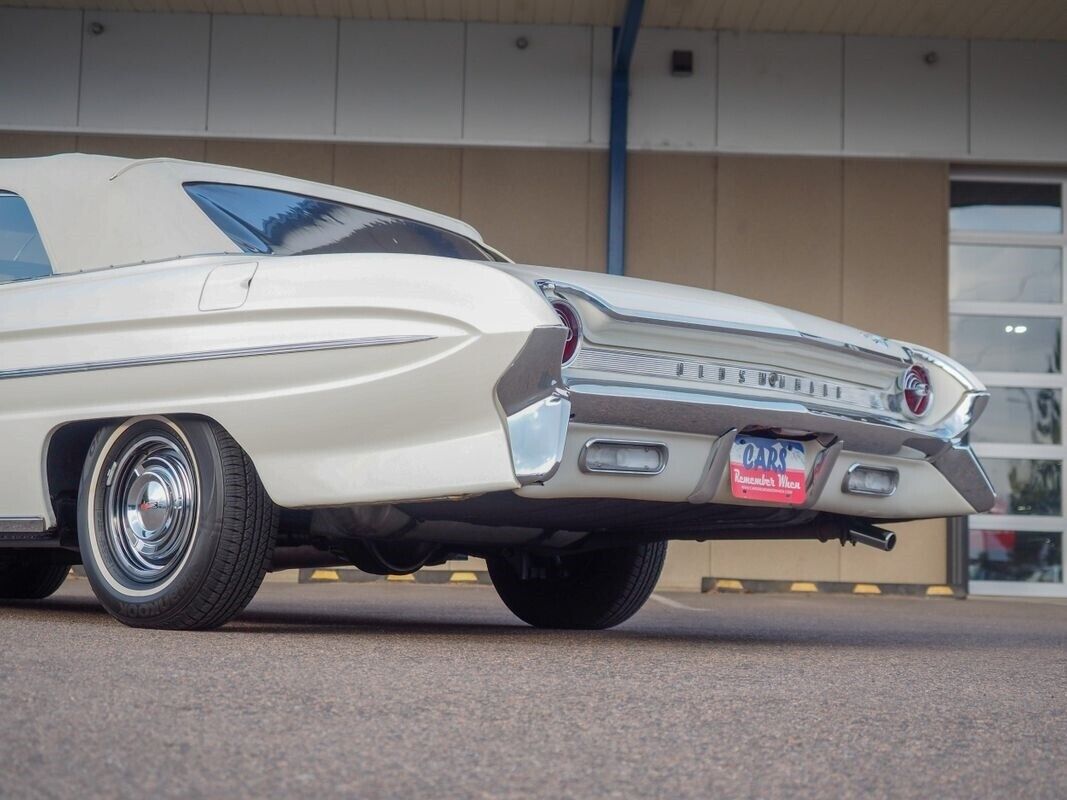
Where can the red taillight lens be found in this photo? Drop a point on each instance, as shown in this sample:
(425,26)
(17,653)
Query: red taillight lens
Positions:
(918,394)
(569,317)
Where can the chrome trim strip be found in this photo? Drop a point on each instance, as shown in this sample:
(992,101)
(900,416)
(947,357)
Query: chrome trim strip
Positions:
(708,372)
(658,446)
(718,460)
(785,334)
(209,355)
(22,525)
(946,365)
(712,413)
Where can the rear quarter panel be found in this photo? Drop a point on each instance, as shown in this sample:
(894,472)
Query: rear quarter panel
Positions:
(351,424)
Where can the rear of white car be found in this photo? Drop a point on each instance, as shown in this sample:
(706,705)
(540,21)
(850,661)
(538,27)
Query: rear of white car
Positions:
(217,372)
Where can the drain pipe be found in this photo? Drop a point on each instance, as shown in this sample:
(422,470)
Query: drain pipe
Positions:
(623,40)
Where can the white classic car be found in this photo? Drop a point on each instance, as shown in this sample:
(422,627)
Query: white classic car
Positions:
(207,373)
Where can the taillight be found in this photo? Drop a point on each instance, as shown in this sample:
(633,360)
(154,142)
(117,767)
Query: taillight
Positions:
(569,317)
(918,394)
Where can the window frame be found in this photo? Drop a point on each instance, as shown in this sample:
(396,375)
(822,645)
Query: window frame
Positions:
(1008,309)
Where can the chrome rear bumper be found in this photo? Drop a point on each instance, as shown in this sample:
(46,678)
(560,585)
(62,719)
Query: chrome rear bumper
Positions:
(717,414)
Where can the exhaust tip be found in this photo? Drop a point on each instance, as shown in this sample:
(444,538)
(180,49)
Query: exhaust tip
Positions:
(878,538)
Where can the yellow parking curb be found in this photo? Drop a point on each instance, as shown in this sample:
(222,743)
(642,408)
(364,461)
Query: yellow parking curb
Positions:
(325,575)
(866,588)
(463,577)
(729,585)
(803,586)
(939,591)
(404,578)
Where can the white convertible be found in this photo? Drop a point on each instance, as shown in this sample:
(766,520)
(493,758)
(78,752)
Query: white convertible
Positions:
(207,373)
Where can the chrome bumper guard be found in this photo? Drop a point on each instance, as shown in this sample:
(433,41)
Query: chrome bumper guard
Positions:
(536,406)
(725,415)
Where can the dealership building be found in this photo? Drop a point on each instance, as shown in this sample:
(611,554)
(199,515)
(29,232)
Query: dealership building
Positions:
(900,167)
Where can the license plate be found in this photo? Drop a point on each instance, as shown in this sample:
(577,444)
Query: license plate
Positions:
(769,470)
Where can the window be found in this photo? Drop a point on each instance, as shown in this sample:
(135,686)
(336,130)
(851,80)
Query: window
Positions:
(262,220)
(1008,312)
(22,254)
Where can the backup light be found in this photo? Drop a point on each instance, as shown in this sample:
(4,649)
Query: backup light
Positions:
(631,458)
(877,481)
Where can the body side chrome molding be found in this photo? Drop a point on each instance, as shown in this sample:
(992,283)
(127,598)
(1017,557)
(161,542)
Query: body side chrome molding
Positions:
(783,334)
(21,525)
(209,355)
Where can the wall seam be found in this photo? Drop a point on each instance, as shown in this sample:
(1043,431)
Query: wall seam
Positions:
(841,246)
(717,214)
(207,88)
(589,104)
(336,73)
(463,83)
(970,79)
(844,43)
(81,70)
(718,82)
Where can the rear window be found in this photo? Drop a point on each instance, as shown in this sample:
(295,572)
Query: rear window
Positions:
(262,220)
(22,254)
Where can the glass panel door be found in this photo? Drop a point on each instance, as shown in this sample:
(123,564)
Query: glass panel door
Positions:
(1008,311)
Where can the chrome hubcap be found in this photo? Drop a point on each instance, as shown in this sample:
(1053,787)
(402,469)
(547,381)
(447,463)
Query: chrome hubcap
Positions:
(151,508)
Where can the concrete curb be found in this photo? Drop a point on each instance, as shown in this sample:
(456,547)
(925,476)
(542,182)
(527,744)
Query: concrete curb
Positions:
(745,586)
(352,575)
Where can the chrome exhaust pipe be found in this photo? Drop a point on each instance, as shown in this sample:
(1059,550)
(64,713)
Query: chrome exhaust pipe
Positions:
(878,538)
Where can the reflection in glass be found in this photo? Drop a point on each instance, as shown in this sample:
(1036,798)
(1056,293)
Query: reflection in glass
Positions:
(1019,274)
(1003,206)
(1020,416)
(1025,486)
(1006,344)
(1016,556)
(260,220)
(22,254)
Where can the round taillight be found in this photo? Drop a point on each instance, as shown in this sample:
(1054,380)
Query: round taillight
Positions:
(918,394)
(570,319)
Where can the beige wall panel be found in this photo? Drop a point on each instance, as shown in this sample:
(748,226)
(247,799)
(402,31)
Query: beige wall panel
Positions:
(687,563)
(531,204)
(27,145)
(596,244)
(778,236)
(143,147)
(671,218)
(309,160)
(424,176)
(776,560)
(896,249)
(919,557)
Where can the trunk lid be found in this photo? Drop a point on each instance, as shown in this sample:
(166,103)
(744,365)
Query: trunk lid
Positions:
(636,297)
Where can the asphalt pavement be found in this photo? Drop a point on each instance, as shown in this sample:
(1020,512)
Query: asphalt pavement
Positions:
(402,690)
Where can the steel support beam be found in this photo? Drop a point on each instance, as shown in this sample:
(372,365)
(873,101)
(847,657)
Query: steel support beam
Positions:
(623,40)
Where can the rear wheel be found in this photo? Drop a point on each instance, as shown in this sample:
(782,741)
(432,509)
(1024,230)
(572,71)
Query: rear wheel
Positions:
(594,590)
(174,526)
(22,579)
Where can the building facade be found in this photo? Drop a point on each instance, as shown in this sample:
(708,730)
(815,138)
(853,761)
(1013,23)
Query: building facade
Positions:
(899,170)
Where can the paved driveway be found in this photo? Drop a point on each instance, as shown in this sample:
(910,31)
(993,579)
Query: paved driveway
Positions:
(400,690)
